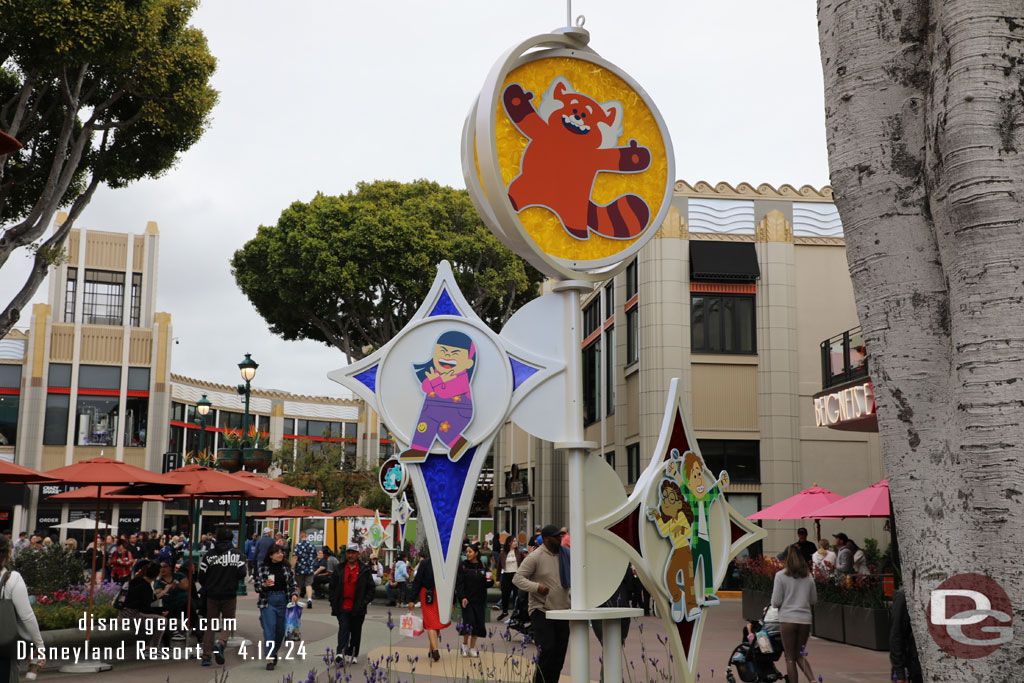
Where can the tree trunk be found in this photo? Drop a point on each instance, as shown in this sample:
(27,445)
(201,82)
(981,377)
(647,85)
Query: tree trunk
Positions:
(925,126)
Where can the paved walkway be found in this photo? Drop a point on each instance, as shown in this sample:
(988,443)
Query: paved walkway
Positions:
(501,659)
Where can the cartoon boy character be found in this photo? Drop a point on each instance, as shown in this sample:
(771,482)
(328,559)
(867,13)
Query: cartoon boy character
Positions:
(674,518)
(700,498)
(448,406)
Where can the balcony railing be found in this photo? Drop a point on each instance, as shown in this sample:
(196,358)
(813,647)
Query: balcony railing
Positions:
(843,358)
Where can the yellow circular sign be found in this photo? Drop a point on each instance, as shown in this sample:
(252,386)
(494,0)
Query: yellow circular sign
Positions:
(567,160)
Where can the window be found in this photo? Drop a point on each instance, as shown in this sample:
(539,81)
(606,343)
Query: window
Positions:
(632,282)
(9,419)
(69,295)
(610,458)
(107,377)
(96,420)
(609,371)
(138,379)
(609,299)
(135,310)
(59,375)
(592,317)
(103,302)
(289,425)
(55,428)
(177,411)
(228,419)
(722,323)
(741,459)
(632,463)
(591,382)
(176,439)
(136,416)
(632,335)
(351,430)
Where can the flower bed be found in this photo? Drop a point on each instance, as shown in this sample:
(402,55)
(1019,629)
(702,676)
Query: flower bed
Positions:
(63,608)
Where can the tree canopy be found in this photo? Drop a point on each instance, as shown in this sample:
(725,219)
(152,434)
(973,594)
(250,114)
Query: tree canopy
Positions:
(350,271)
(98,92)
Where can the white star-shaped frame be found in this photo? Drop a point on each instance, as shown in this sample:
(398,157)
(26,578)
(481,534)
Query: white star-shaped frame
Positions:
(626,527)
(444,479)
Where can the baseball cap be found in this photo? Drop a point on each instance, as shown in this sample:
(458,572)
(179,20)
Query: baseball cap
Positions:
(267,530)
(841,536)
(551,530)
(353,547)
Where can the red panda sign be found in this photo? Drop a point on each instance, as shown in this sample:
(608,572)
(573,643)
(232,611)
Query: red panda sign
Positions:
(567,159)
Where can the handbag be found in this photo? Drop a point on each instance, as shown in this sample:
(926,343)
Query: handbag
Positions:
(119,599)
(8,622)
(428,596)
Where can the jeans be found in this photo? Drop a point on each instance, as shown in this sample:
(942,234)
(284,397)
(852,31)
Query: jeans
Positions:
(272,620)
(350,632)
(508,593)
(552,639)
(396,593)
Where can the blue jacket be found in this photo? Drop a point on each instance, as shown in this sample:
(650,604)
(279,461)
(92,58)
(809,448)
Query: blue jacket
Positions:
(262,546)
(250,550)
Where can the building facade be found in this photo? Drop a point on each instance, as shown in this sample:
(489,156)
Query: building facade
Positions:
(734,296)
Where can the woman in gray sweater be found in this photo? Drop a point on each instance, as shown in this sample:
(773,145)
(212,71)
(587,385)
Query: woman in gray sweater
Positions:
(794,593)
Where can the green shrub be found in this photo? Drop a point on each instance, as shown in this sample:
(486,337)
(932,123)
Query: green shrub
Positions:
(52,617)
(49,569)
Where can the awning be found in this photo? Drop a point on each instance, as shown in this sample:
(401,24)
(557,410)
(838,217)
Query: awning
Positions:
(723,261)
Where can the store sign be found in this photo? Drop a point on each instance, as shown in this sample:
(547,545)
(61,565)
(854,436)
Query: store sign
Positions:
(517,484)
(129,521)
(47,490)
(845,405)
(47,519)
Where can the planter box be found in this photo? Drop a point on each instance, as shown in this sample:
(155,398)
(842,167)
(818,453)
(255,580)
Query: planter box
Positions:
(866,627)
(828,621)
(257,459)
(229,459)
(754,603)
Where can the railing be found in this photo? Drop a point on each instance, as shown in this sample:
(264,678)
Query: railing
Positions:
(843,358)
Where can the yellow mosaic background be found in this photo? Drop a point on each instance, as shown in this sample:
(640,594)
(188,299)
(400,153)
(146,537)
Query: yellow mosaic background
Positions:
(637,122)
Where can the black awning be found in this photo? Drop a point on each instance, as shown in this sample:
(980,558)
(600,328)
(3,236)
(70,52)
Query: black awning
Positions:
(723,261)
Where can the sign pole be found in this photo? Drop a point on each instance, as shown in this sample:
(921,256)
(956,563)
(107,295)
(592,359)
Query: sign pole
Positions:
(576,449)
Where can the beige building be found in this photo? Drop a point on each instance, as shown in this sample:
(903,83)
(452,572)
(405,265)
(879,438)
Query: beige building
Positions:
(735,296)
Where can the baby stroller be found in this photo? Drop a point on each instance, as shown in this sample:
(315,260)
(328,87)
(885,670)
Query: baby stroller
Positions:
(753,664)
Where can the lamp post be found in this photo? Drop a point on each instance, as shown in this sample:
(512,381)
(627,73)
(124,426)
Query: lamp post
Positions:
(248,369)
(203,406)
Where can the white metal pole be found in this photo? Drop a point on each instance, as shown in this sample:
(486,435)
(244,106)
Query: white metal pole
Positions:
(612,636)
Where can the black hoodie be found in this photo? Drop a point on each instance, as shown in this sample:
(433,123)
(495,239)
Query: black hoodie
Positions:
(220,570)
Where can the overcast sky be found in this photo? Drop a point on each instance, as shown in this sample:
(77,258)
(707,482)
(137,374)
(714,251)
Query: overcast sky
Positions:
(319,95)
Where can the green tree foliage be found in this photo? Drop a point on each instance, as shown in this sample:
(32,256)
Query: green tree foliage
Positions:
(49,569)
(325,471)
(350,271)
(98,92)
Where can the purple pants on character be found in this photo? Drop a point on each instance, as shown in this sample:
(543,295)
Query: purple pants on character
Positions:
(442,418)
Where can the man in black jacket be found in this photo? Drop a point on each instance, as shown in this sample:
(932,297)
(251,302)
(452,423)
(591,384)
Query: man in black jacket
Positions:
(220,570)
(351,591)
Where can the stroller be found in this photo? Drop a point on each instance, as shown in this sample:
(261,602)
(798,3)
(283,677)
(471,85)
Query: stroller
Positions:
(752,663)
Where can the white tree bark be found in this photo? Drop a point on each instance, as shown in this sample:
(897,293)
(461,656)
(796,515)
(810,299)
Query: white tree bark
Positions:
(925,124)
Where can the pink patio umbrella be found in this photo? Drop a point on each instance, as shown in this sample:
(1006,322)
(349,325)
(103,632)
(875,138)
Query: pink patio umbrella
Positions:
(800,506)
(870,502)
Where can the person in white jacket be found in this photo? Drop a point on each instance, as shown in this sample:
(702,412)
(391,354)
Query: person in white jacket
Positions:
(14,589)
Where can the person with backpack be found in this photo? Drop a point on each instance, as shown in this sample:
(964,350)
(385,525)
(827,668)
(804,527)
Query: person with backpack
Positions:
(13,588)
(220,570)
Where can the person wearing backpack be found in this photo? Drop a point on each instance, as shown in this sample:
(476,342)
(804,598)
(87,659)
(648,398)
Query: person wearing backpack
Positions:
(19,622)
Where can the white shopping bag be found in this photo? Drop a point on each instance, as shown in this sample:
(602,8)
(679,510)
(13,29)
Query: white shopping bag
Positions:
(410,625)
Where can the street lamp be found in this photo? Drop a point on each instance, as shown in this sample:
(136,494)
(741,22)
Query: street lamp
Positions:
(203,409)
(248,369)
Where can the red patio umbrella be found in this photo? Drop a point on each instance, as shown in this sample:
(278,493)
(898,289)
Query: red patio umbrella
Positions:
(8,144)
(102,472)
(91,493)
(350,511)
(300,512)
(799,506)
(870,502)
(16,474)
(270,485)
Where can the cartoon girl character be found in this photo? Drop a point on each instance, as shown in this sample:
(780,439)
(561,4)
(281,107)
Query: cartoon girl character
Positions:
(674,518)
(700,498)
(448,406)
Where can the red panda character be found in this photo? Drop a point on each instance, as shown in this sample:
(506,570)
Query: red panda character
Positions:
(572,139)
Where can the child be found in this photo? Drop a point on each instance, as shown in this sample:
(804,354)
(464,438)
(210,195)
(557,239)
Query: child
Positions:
(448,406)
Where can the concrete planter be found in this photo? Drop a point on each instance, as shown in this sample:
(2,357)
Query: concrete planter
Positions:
(828,621)
(754,603)
(866,627)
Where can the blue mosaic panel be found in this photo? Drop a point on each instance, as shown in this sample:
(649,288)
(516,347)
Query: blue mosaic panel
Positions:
(445,480)
(520,372)
(368,378)
(444,305)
